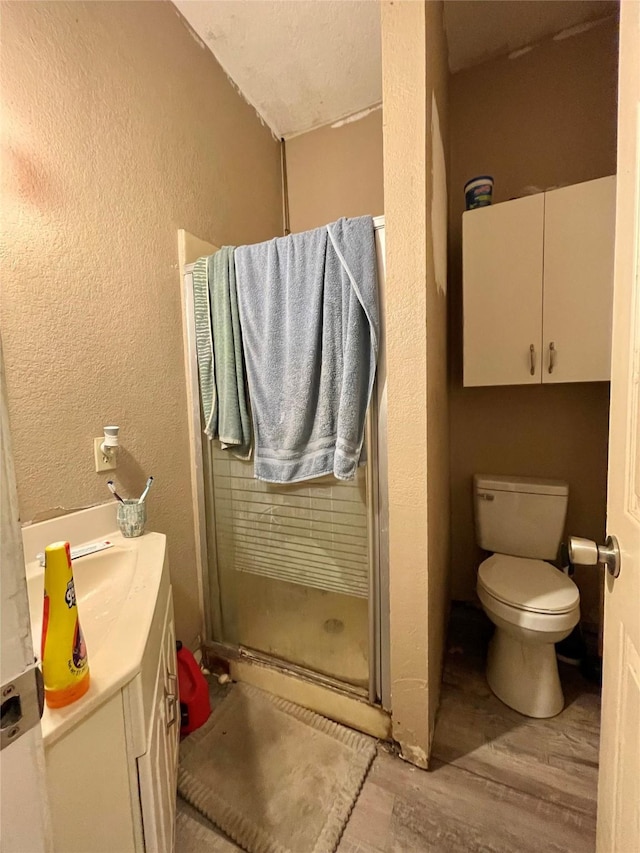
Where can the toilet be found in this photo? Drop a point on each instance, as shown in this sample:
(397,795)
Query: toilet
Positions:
(532,604)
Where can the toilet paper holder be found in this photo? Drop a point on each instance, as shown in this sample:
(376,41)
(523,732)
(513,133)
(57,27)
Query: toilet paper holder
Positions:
(585,552)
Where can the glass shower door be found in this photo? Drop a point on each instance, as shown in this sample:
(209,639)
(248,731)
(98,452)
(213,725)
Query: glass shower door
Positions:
(293,567)
(298,573)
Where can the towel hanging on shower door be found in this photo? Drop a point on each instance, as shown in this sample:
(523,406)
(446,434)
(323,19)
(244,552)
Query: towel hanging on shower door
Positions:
(309,313)
(220,355)
(234,420)
(204,346)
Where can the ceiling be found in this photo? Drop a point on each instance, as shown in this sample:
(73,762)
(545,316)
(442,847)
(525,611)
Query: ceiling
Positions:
(300,63)
(307,63)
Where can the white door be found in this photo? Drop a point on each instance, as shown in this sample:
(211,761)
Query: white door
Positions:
(619,785)
(23,801)
(502,253)
(579,230)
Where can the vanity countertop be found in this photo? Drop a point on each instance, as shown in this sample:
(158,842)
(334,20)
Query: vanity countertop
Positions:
(116,589)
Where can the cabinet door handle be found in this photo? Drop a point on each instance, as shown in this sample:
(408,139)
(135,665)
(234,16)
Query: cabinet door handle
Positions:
(173,682)
(172,708)
(171,698)
(532,359)
(552,356)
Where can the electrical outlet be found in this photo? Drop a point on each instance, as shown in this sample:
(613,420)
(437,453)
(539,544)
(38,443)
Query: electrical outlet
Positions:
(99,457)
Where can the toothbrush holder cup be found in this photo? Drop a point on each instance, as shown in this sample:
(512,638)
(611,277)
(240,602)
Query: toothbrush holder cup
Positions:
(131,517)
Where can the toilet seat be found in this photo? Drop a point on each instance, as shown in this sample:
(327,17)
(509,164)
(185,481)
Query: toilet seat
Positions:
(529,585)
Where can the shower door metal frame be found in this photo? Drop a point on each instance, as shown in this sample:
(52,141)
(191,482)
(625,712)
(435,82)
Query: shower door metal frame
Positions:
(377,507)
(379,614)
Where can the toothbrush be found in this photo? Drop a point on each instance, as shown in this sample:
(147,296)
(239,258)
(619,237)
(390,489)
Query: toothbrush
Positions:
(112,489)
(146,490)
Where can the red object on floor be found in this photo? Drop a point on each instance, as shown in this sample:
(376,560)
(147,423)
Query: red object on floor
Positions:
(194,692)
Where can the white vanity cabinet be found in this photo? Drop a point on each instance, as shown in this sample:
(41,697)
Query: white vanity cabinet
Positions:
(158,765)
(112,778)
(537,287)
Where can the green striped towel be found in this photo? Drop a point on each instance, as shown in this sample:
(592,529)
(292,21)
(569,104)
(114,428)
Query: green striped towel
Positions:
(234,421)
(204,347)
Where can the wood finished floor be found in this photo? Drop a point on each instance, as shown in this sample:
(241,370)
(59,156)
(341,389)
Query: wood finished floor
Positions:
(498,781)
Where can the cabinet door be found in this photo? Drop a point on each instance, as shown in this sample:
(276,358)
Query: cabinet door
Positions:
(579,227)
(173,731)
(502,272)
(158,767)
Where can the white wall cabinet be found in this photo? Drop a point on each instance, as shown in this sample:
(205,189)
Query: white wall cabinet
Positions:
(538,279)
(502,268)
(113,778)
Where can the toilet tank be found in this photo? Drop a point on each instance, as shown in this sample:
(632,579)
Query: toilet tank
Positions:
(520,516)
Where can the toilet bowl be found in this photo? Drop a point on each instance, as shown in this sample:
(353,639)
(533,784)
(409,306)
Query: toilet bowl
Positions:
(533,606)
(520,520)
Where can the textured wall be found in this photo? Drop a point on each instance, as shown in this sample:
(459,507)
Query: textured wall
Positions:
(414,71)
(336,171)
(119,129)
(545,118)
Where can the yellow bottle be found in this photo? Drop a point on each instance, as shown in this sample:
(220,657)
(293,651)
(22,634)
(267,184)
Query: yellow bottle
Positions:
(65,667)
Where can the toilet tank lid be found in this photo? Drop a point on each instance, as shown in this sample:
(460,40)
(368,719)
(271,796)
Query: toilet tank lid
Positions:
(524,485)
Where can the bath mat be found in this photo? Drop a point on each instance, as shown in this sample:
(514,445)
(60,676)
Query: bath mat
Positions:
(274,777)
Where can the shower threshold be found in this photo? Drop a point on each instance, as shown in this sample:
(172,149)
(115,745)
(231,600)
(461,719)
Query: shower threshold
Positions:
(345,703)
(234,653)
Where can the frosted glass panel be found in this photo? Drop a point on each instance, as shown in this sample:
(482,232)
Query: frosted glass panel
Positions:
(314,534)
(293,567)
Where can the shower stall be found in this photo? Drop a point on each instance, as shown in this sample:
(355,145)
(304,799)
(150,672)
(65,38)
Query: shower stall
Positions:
(295,576)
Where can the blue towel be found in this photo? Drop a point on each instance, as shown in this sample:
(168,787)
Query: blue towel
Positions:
(309,313)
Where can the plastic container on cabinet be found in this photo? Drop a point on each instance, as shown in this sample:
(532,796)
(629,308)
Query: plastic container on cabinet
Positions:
(478,192)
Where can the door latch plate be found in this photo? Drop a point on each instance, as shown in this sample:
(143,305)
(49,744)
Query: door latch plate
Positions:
(22,705)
